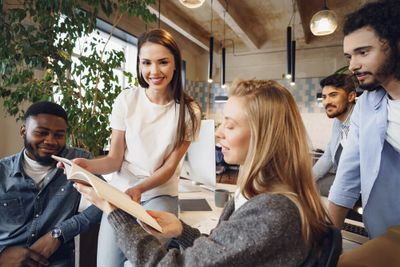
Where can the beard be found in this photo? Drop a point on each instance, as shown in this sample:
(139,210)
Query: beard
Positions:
(338,112)
(384,71)
(42,160)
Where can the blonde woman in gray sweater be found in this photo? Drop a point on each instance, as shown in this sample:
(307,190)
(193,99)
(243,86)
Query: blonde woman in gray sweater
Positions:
(276,217)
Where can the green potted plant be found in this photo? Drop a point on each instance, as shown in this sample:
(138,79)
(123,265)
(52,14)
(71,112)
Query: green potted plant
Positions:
(36,63)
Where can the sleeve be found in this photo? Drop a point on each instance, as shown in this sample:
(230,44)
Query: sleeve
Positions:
(323,165)
(117,119)
(189,134)
(346,187)
(250,237)
(80,222)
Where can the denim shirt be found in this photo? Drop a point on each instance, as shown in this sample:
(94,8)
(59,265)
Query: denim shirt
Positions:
(27,213)
(370,166)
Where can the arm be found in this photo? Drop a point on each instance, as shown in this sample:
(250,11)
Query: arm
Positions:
(110,163)
(338,214)
(323,165)
(346,187)
(325,162)
(162,174)
(258,233)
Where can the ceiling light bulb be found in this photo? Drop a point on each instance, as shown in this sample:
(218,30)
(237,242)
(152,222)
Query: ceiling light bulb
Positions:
(288,76)
(323,22)
(292,83)
(192,3)
(210,80)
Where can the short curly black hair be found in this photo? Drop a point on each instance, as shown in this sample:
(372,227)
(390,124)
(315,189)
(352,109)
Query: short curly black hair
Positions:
(384,18)
(46,107)
(343,81)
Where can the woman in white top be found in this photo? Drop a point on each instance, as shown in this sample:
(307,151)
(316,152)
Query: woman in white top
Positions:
(152,127)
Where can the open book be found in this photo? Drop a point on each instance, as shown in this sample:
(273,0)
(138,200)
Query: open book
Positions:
(108,192)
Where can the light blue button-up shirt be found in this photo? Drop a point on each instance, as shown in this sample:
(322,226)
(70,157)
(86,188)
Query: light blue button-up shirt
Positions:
(27,213)
(363,166)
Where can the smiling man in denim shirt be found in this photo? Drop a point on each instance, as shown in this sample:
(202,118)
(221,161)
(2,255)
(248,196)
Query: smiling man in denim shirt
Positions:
(38,205)
(370,162)
(338,98)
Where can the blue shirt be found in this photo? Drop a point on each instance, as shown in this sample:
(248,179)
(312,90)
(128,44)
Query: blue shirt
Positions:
(327,162)
(27,213)
(370,166)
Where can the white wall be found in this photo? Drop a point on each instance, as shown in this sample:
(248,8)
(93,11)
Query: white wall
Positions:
(10,140)
(317,62)
(319,128)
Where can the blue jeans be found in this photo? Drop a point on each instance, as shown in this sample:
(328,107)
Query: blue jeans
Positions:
(108,253)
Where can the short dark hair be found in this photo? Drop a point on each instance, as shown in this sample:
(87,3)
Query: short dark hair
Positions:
(342,81)
(383,17)
(46,107)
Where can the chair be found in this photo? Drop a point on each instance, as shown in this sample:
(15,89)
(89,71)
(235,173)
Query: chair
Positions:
(332,248)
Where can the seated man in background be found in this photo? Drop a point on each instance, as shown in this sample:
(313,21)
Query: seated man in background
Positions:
(338,94)
(39,206)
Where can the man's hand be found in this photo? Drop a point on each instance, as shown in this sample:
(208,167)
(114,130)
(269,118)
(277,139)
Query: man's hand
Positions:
(21,257)
(46,245)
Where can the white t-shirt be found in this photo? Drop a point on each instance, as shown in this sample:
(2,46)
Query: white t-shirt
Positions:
(150,131)
(393,129)
(239,199)
(35,170)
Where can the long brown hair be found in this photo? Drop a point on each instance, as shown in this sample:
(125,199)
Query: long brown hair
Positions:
(164,38)
(278,159)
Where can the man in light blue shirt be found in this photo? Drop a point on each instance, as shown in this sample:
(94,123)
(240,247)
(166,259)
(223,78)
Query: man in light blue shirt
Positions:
(370,163)
(38,205)
(338,98)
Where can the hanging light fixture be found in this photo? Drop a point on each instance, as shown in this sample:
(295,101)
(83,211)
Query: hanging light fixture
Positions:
(288,52)
(293,61)
(192,3)
(223,54)
(211,50)
(323,22)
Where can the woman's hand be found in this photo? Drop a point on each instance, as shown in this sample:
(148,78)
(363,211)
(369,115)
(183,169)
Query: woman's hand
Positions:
(135,193)
(82,162)
(171,225)
(91,195)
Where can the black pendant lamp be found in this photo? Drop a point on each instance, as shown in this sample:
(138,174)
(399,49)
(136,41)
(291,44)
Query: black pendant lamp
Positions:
(211,49)
(288,52)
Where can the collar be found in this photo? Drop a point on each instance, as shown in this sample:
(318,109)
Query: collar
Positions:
(376,97)
(17,167)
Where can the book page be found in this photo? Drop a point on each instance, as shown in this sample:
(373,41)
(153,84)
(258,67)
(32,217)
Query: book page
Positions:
(108,192)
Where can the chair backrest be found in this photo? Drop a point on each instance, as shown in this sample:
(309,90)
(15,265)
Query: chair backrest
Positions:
(332,248)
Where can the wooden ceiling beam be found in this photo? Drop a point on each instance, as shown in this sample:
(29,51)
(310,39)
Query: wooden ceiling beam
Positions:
(233,20)
(182,24)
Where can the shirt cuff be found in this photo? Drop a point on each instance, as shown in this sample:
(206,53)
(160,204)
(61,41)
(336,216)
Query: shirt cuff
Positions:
(343,198)
(189,234)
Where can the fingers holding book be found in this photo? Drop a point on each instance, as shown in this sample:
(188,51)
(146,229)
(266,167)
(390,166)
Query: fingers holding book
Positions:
(90,194)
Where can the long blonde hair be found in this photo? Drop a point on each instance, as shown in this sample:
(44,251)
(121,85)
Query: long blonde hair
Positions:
(278,159)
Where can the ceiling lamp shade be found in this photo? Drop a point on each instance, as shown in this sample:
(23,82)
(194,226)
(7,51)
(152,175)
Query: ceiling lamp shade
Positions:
(192,3)
(323,22)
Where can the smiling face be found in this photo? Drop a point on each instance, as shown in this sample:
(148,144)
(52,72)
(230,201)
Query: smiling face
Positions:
(156,65)
(336,101)
(234,133)
(369,58)
(44,135)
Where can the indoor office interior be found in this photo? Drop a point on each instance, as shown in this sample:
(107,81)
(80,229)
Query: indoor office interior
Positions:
(220,41)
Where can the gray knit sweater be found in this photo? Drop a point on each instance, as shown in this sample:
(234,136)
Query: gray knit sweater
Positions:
(265,231)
